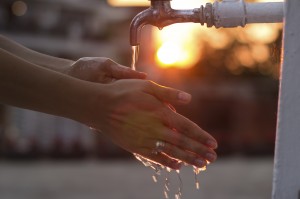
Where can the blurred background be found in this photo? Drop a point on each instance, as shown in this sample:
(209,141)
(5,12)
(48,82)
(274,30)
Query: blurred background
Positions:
(233,75)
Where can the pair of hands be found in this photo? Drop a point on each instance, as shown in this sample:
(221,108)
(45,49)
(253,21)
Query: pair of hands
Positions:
(136,113)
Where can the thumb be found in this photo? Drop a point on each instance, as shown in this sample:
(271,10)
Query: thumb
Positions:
(122,72)
(168,95)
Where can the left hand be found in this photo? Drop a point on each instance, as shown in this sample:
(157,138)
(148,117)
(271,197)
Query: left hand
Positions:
(101,70)
(134,115)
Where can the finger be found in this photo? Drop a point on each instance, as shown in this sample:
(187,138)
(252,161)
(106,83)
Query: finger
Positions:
(122,72)
(191,147)
(161,159)
(167,94)
(185,156)
(190,129)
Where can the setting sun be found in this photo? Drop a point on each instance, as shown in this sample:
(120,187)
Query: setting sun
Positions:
(176,44)
(169,53)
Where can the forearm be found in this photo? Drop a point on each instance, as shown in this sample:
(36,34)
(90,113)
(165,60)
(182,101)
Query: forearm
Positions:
(29,86)
(50,62)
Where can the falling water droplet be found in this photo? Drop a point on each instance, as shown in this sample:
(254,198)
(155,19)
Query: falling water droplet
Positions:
(197,172)
(179,192)
(197,184)
(159,168)
(166,194)
(167,183)
(154,178)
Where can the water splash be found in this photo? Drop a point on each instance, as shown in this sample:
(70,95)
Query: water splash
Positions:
(167,184)
(196,173)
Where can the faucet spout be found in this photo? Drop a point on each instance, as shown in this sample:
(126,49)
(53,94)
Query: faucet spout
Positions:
(159,14)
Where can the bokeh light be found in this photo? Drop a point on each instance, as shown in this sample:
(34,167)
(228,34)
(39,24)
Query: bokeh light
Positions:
(19,8)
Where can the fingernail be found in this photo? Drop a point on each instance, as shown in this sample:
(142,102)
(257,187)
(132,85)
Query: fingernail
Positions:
(213,144)
(185,97)
(200,163)
(211,157)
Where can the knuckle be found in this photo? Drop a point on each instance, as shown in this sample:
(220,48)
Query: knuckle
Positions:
(107,64)
(84,60)
(79,62)
(107,61)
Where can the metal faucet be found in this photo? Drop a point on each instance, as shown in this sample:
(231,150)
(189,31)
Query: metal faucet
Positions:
(159,14)
(227,13)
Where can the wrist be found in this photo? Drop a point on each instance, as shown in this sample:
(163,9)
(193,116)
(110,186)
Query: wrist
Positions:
(85,99)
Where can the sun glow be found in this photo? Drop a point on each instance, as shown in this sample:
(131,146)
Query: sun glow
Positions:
(170,54)
(177,45)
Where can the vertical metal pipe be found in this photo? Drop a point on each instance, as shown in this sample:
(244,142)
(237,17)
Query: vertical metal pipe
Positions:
(286,177)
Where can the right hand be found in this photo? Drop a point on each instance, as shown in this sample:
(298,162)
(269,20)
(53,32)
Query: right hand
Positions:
(101,70)
(134,114)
